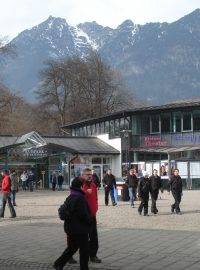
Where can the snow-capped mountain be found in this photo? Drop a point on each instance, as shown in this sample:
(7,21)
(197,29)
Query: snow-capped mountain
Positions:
(159,61)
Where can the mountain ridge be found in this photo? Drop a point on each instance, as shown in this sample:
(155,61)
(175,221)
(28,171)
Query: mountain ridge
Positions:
(159,61)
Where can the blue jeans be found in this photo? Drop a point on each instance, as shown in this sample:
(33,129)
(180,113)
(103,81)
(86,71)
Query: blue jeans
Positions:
(132,195)
(13,196)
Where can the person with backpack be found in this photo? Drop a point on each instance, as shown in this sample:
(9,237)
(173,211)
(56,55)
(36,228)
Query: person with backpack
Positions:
(77,219)
(6,190)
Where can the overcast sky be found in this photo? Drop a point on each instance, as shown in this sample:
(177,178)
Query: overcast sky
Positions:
(18,15)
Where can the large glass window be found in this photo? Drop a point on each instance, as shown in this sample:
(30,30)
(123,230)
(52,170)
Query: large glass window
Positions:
(196,120)
(187,121)
(155,123)
(165,122)
(121,124)
(93,130)
(106,127)
(176,121)
(112,129)
(97,129)
(102,127)
(126,123)
(145,125)
(117,131)
(89,130)
(135,125)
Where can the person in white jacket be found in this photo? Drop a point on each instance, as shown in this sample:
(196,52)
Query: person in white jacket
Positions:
(24,177)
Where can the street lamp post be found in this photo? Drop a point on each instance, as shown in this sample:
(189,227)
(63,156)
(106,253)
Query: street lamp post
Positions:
(126,133)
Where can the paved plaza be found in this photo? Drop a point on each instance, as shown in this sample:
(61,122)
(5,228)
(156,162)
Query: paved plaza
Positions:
(127,241)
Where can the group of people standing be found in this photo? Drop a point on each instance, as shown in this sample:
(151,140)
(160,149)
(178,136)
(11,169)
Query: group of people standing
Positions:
(146,186)
(57,180)
(27,179)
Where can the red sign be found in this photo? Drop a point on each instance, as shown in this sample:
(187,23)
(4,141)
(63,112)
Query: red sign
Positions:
(154,141)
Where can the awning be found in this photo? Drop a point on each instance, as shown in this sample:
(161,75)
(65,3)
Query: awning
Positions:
(167,150)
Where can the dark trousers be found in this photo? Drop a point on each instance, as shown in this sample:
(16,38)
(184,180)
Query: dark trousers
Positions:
(53,186)
(24,185)
(7,198)
(75,242)
(177,198)
(107,191)
(93,238)
(144,203)
(154,197)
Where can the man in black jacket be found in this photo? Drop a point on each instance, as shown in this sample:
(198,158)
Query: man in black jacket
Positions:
(109,183)
(77,227)
(132,183)
(175,184)
(155,186)
(143,193)
(95,179)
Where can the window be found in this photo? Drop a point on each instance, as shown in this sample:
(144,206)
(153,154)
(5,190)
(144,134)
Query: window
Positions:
(85,131)
(89,130)
(106,127)
(93,130)
(135,125)
(187,121)
(145,125)
(165,122)
(196,120)
(102,127)
(117,131)
(96,160)
(155,123)
(112,129)
(176,121)
(97,129)
(121,124)
(126,123)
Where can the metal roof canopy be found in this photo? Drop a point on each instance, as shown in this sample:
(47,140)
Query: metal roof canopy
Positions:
(78,145)
(168,150)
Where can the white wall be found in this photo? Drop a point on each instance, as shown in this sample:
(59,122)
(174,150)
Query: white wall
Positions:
(116,159)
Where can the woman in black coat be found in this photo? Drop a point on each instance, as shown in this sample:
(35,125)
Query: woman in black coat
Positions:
(76,227)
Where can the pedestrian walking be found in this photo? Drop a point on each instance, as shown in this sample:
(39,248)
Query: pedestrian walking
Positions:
(60,181)
(31,181)
(132,183)
(24,178)
(54,180)
(76,227)
(155,186)
(109,183)
(175,185)
(90,190)
(14,186)
(6,190)
(95,179)
(143,193)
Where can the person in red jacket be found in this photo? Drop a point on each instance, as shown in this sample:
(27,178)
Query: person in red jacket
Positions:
(6,190)
(91,196)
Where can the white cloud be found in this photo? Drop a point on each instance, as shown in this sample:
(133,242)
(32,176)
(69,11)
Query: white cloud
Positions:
(18,15)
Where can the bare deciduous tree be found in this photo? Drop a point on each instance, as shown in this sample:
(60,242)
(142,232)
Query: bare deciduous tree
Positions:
(74,89)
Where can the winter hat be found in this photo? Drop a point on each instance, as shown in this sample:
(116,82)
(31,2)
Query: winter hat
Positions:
(76,183)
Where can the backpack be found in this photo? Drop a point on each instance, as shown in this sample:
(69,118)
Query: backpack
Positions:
(64,212)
